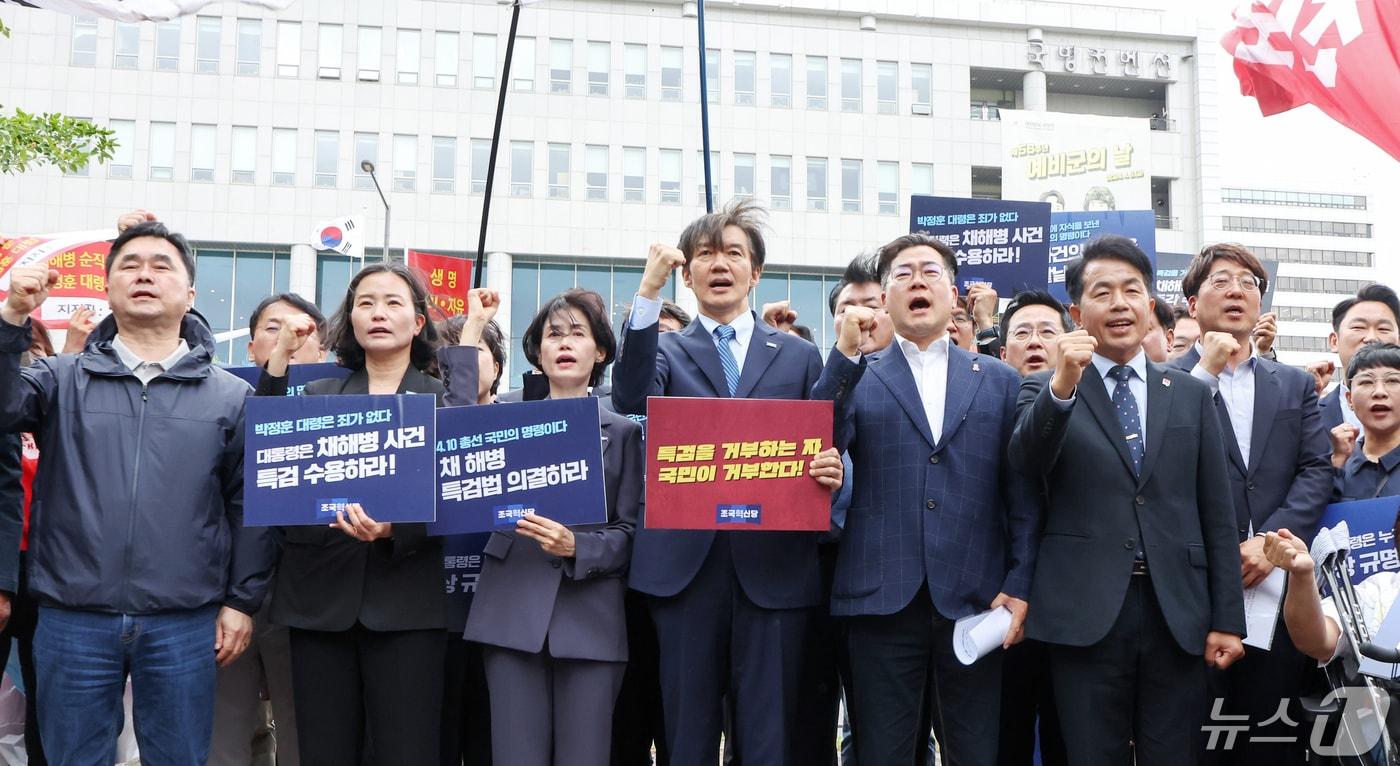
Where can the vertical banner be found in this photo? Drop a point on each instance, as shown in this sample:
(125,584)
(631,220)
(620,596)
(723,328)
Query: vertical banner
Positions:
(1070,232)
(737,464)
(81,261)
(499,463)
(447,278)
(1076,161)
(1004,243)
(306,457)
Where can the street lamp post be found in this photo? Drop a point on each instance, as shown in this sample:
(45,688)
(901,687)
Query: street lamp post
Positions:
(368,167)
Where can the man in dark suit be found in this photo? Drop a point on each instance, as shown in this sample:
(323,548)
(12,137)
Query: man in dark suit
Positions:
(1373,316)
(730,608)
(939,526)
(1280,477)
(1137,577)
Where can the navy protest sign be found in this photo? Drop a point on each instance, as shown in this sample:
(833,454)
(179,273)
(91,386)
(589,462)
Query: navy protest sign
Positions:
(306,457)
(1071,231)
(1002,243)
(500,462)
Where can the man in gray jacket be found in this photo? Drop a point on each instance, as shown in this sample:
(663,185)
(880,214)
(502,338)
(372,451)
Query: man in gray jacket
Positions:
(138,554)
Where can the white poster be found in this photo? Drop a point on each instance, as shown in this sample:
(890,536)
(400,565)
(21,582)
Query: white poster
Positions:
(1076,161)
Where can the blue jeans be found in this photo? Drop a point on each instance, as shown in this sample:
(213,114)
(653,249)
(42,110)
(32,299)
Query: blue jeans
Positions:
(83,660)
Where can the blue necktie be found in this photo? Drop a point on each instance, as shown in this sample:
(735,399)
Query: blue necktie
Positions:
(1125,405)
(723,334)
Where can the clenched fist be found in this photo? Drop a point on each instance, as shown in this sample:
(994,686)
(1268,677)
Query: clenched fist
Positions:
(1076,352)
(29,288)
(1218,347)
(1343,443)
(857,322)
(482,305)
(662,261)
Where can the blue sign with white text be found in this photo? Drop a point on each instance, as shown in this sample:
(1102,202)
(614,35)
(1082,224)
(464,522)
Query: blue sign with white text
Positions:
(1003,243)
(461,568)
(1371,527)
(1071,231)
(298,375)
(498,463)
(306,457)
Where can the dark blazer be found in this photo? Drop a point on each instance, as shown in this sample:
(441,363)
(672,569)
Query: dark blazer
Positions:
(329,581)
(1096,507)
(1288,481)
(1331,406)
(11,510)
(951,513)
(526,596)
(777,570)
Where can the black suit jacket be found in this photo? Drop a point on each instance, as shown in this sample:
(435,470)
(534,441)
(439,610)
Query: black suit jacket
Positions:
(1331,406)
(1097,508)
(1288,481)
(329,581)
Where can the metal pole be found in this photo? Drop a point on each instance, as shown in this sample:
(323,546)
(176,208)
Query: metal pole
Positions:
(368,167)
(495,146)
(705,110)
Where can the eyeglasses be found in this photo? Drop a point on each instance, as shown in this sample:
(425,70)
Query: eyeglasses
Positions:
(961,317)
(1221,281)
(1024,333)
(905,271)
(1365,385)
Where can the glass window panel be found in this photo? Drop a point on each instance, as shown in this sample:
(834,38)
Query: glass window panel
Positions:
(284,156)
(634,170)
(712,75)
(889,187)
(634,62)
(780,78)
(329,51)
(921,179)
(670,176)
(561,65)
(327,157)
(599,64)
(672,66)
(168,46)
(816,82)
(405,163)
(886,86)
(559,171)
(484,61)
(243,154)
(745,77)
(370,53)
(162,151)
(366,148)
(780,179)
(850,186)
(445,59)
(127,48)
(249,46)
(481,162)
(124,133)
(206,51)
(596,172)
(288,48)
(850,85)
(84,42)
(743,174)
(522,168)
(816,183)
(444,164)
(407,54)
(522,65)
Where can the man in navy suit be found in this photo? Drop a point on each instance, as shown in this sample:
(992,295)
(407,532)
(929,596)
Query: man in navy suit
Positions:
(939,526)
(1280,477)
(1137,578)
(1373,316)
(730,608)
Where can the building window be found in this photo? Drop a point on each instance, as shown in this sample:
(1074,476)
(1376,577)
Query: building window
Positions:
(1316,344)
(284,156)
(712,75)
(559,171)
(243,156)
(81,170)
(162,151)
(481,164)
(850,85)
(561,66)
(671,176)
(921,179)
(232,283)
(369,56)
(1304,313)
(522,67)
(599,62)
(366,149)
(288,48)
(1310,255)
(327,157)
(850,186)
(596,172)
(816,183)
(168,46)
(816,82)
(886,86)
(780,79)
(484,61)
(745,77)
(206,50)
(407,55)
(634,174)
(888,178)
(634,70)
(522,168)
(1296,226)
(127,49)
(780,178)
(249,53)
(444,164)
(1320,285)
(445,59)
(84,42)
(405,163)
(672,62)
(330,51)
(1295,199)
(921,79)
(123,156)
(743,174)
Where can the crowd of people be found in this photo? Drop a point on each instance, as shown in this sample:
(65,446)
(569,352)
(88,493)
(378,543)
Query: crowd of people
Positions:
(1113,473)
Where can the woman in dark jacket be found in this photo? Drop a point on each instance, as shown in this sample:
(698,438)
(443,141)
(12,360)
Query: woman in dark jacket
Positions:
(549,604)
(364,599)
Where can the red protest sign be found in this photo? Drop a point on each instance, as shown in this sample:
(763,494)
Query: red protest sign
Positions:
(80,259)
(447,278)
(736,464)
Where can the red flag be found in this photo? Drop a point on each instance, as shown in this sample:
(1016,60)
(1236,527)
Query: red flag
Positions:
(447,278)
(1334,54)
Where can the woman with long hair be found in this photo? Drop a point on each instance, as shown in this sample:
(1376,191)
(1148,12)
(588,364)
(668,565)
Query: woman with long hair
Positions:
(364,599)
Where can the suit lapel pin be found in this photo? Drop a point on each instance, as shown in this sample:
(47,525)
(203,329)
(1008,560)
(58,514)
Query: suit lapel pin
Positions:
(1167,382)
(771,344)
(976,367)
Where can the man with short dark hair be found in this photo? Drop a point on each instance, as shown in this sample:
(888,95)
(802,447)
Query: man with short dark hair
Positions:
(1158,342)
(266,321)
(140,560)
(1185,331)
(1029,326)
(1372,316)
(1280,477)
(1137,575)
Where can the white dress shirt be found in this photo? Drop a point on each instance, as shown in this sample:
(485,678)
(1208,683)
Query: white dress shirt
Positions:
(930,370)
(1137,385)
(1236,388)
(647,311)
